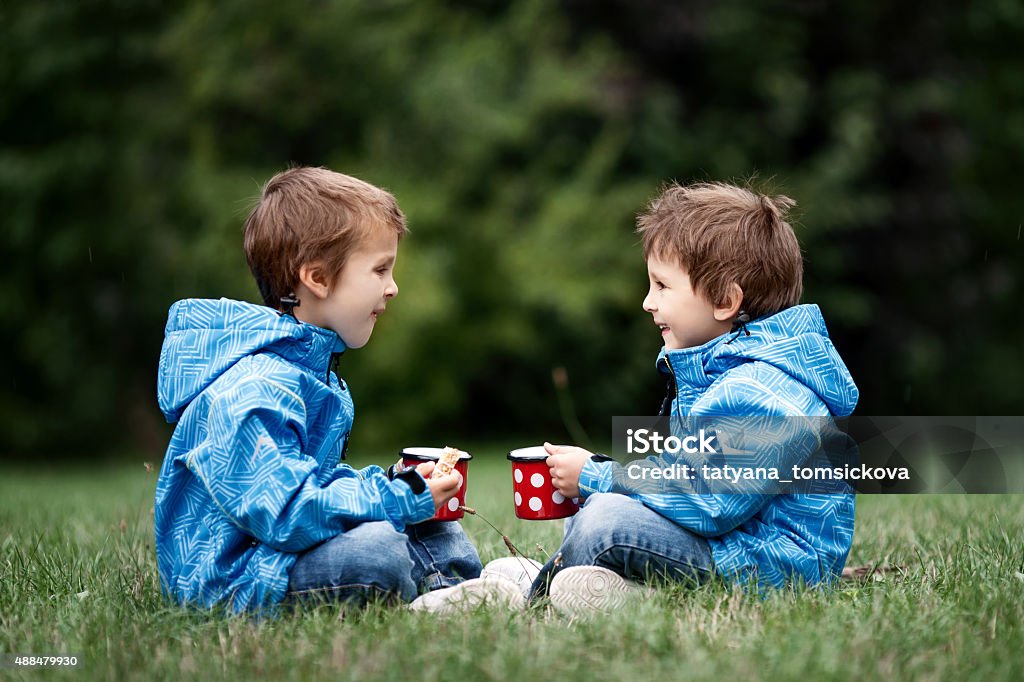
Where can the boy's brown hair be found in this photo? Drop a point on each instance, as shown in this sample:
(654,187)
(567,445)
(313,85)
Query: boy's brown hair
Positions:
(306,215)
(720,234)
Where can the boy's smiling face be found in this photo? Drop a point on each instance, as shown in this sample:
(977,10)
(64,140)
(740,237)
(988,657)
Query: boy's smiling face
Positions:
(685,318)
(360,292)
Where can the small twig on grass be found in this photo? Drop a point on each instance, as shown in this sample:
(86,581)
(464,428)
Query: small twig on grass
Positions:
(508,541)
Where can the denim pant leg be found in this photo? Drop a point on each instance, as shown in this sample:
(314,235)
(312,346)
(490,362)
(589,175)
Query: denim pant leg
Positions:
(621,534)
(370,561)
(442,555)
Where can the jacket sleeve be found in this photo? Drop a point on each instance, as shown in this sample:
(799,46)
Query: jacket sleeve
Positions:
(705,500)
(253,466)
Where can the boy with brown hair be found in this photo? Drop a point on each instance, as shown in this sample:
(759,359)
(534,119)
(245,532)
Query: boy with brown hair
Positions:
(253,503)
(725,273)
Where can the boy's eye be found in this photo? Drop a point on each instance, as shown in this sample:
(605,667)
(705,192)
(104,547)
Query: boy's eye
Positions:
(659,284)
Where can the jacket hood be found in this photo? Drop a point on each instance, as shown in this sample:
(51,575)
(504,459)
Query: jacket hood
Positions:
(204,338)
(794,340)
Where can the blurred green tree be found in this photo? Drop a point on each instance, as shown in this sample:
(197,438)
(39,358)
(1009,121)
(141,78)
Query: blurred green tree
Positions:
(82,215)
(520,139)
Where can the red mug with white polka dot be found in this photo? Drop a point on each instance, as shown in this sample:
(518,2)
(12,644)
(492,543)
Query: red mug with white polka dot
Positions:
(536,499)
(412,457)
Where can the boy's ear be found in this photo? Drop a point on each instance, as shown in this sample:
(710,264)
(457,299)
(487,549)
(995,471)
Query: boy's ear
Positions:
(728,309)
(314,278)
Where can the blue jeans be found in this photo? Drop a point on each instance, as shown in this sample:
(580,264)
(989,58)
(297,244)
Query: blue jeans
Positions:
(621,534)
(374,561)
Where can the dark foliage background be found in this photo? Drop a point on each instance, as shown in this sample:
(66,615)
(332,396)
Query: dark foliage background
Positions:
(520,139)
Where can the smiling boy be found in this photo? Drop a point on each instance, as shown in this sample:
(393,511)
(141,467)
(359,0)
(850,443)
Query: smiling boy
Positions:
(725,277)
(253,504)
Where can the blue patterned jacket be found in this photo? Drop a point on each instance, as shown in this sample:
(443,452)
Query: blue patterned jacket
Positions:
(252,475)
(786,367)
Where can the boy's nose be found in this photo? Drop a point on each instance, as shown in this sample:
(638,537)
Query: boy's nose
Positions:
(649,303)
(392,290)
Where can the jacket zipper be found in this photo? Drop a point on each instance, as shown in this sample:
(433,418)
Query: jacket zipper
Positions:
(672,391)
(331,364)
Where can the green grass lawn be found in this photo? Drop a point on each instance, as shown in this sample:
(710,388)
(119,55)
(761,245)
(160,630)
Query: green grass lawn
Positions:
(78,576)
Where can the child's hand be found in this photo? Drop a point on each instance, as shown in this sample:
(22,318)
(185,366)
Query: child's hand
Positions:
(566,462)
(425,470)
(441,489)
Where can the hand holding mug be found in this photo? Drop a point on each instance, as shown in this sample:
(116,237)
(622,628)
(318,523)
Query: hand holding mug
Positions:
(448,492)
(441,489)
(565,463)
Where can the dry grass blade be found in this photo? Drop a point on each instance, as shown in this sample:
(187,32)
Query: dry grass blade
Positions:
(878,572)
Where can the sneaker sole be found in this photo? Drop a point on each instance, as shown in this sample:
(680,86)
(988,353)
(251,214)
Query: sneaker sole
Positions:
(471,595)
(579,590)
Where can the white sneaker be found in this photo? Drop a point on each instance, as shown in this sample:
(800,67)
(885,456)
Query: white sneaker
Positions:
(579,590)
(470,595)
(519,570)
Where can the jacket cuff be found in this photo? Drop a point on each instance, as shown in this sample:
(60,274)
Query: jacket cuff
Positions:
(596,477)
(396,469)
(411,478)
(409,501)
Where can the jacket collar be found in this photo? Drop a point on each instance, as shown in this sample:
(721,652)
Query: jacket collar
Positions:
(700,366)
(307,345)
(690,365)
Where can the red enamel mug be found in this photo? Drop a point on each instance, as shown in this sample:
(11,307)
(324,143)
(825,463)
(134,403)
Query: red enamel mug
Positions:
(450,512)
(536,499)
